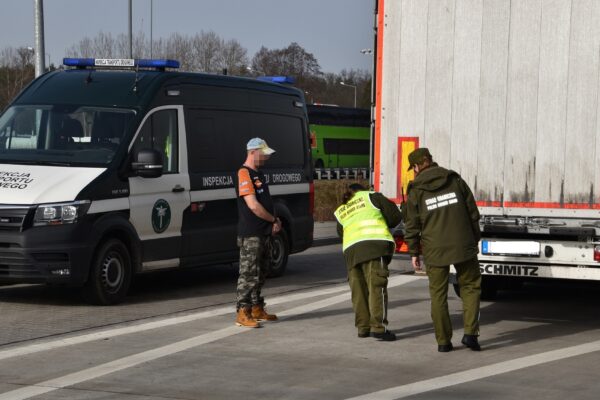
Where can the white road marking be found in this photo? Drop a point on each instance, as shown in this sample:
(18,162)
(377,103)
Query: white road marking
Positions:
(113,332)
(458,378)
(27,392)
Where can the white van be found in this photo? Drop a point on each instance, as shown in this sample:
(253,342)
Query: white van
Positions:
(105,173)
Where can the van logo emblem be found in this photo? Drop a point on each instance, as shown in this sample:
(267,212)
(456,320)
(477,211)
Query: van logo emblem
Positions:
(161,216)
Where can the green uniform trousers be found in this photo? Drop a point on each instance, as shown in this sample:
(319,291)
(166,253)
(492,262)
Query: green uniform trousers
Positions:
(368,284)
(469,280)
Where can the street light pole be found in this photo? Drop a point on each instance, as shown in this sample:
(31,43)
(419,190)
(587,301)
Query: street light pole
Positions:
(130,32)
(32,49)
(151,18)
(352,86)
(39,37)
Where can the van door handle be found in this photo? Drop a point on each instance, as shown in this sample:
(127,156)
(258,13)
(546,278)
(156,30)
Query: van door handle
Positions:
(178,189)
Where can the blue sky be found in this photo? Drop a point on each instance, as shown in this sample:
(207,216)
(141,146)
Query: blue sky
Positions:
(333,30)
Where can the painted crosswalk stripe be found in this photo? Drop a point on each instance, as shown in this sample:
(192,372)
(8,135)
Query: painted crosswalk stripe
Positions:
(428,385)
(114,332)
(153,354)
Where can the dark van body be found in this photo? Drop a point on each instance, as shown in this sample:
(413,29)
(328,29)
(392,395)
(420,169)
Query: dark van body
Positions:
(84,199)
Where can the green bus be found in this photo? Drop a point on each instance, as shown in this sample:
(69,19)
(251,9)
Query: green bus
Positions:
(339,136)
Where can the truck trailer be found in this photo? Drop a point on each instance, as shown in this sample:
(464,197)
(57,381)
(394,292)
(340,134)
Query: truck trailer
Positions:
(506,94)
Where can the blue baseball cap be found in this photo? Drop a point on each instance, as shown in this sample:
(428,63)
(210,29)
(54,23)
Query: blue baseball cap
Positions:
(259,144)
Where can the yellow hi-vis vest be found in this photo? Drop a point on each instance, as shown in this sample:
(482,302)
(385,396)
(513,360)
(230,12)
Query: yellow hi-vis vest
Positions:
(361,221)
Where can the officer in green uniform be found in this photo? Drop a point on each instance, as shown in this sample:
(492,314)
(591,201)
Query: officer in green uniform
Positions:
(442,219)
(364,220)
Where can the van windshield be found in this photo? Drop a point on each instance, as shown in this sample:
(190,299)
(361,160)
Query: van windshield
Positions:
(57,135)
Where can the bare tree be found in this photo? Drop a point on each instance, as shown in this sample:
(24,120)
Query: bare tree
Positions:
(293,60)
(206,48)
(234,58)
(176,47)
(16,71)
(205,51)
(263,62)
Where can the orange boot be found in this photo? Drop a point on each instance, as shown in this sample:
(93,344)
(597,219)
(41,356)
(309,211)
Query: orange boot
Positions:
(259,314)
(245,319)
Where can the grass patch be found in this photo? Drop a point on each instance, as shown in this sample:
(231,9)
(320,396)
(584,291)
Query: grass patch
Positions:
(328,196)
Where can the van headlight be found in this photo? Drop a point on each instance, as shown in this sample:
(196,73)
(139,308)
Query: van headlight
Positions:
(59,214)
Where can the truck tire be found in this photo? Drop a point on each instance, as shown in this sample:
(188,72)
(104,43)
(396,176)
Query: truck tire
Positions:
(110,274)
(489,288)
(280,250)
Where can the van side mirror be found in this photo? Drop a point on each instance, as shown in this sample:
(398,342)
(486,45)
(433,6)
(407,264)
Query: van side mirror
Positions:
(148,163)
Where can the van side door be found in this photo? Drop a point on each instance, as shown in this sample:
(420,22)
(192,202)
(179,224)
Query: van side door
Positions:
(210,226)
(157,204)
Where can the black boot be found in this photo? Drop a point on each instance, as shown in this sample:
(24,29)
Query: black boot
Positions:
(471,342)
(386,336)
(445,348)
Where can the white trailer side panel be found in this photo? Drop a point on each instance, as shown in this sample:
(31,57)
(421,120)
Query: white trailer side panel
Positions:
(465,88)
(492,101)
(522,104)
(388,112)
(582,110)
(510,98)
(438,87)
(413,51)
(404,97)
(552,104)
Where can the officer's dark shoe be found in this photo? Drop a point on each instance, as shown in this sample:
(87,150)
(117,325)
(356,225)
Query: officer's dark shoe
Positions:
(471,342)
(386,336)
(445,348)
(364,334)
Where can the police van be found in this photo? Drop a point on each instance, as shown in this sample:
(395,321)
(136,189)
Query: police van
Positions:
(111,168)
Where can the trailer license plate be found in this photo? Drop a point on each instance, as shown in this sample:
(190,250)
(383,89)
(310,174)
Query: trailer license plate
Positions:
(510,248)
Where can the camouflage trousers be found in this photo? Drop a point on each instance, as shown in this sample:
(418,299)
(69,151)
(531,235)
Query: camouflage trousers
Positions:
(255,262)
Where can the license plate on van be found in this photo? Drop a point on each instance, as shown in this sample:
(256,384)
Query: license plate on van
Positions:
(510,248)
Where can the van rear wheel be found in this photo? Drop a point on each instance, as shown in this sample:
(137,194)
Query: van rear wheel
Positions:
(110,274)
(280,250)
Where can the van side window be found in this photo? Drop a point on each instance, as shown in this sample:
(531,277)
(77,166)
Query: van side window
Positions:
(217,139)
(285,134)
(159,132)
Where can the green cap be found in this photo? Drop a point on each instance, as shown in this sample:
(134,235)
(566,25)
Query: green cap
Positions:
(418,156)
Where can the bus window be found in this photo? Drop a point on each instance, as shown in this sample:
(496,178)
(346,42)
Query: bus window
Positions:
(339,136)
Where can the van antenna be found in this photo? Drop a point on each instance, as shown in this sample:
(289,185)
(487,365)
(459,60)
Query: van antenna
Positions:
(88,78)
(135,89)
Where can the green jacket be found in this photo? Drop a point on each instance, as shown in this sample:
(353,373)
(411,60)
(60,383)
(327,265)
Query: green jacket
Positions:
(371,249)
(442,216)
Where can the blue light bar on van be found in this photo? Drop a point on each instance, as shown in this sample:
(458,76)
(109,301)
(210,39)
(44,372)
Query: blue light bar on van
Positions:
(78,62)
(157,63)
(277,79)
(119,63)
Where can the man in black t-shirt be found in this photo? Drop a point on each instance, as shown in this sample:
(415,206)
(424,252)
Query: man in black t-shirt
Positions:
(257,222)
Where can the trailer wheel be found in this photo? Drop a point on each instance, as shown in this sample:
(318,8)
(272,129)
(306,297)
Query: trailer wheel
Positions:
(280,250)
(110,274)
(489,288)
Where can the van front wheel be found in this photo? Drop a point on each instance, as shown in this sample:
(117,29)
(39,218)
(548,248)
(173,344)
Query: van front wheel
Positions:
(280,250)
(110,274)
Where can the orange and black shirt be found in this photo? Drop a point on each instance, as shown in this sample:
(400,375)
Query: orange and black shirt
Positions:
(253,182)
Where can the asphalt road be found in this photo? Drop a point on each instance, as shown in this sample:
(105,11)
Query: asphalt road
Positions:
(174,338)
